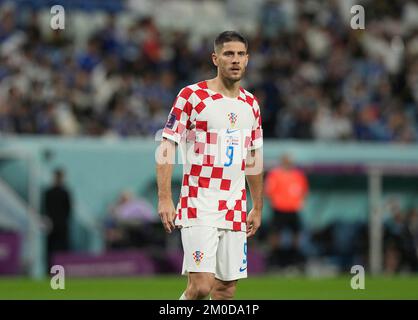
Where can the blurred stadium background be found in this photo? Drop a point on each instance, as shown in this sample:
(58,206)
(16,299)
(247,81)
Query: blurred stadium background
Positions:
(90,99)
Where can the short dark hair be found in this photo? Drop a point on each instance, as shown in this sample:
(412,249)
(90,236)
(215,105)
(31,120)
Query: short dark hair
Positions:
(228,36)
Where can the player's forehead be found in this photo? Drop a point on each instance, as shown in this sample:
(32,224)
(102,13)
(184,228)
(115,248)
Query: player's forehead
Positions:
(234,46)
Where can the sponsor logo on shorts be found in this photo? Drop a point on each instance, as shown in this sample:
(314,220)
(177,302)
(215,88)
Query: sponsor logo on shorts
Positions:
(198,256)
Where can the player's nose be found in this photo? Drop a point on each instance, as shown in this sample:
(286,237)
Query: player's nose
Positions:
(235,62)
(235,59)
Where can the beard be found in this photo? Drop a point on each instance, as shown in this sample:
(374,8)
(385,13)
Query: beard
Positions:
(233,76)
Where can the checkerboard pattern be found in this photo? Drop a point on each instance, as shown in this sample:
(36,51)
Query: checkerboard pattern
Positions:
(236,214)
(207,183)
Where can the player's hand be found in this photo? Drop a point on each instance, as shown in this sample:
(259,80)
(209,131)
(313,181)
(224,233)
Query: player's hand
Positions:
(167,214)
(253,222)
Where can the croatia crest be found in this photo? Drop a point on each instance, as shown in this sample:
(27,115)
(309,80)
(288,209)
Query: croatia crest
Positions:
(232,118)
(198,256)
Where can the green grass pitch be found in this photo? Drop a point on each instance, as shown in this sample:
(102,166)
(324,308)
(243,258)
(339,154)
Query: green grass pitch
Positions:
(171,287)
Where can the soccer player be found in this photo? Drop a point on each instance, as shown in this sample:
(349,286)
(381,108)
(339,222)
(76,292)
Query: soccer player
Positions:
(217,126)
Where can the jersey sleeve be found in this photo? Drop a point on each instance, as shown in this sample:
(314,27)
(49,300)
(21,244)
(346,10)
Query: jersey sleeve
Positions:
(257,130)
(179,118)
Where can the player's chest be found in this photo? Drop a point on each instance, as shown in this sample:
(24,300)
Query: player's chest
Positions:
(226,114)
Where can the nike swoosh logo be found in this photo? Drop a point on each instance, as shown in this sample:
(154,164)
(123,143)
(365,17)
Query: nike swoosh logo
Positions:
(242,269)
(230,131)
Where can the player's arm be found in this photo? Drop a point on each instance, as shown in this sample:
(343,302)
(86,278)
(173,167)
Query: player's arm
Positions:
(174,129)
(254,176)
(165,161)
(254,171)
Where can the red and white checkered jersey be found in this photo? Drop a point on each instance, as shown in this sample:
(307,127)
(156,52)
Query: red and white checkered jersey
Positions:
(214,134)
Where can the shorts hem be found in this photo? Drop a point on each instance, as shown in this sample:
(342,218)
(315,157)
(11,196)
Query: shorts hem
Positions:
(186,272)
(217,225)
(232,278)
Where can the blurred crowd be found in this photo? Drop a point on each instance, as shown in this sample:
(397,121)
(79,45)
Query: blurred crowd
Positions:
(344,244)
(400,239)
(315,77)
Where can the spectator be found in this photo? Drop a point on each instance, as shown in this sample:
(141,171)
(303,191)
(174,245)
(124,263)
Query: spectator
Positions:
(399,243)
(413,226)
(410,237)
(286,187)
(130,222)
(57,208)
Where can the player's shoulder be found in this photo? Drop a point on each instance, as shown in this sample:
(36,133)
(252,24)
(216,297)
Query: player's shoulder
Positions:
(188,90)
(249,98)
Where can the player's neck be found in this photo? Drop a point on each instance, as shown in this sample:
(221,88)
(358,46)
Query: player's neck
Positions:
(225,87)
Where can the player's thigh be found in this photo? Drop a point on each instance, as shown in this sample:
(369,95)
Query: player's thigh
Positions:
(199,246)
(231,258)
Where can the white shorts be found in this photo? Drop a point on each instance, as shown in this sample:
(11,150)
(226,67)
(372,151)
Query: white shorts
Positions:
(219,251)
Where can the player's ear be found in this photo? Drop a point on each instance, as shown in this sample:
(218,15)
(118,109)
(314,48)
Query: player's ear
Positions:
(214,59)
